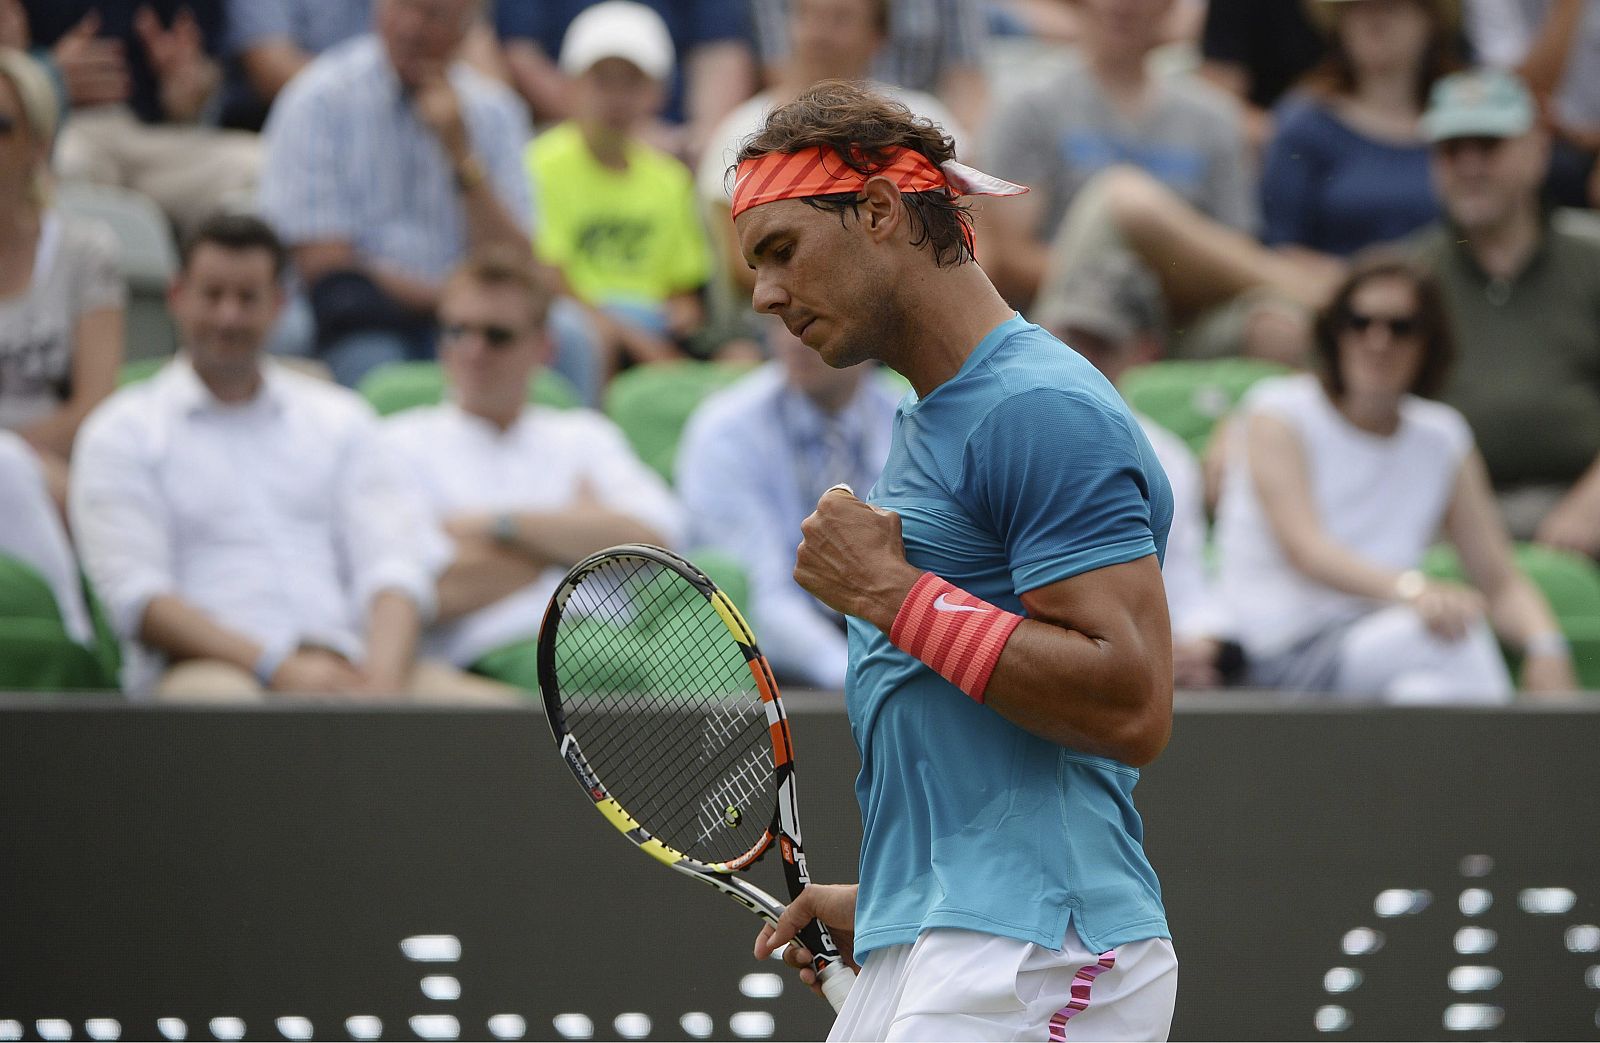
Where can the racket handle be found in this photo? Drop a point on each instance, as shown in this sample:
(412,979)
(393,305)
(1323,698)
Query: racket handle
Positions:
(836,979)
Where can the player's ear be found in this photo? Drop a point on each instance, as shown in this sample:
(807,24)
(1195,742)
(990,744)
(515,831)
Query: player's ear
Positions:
(881,208)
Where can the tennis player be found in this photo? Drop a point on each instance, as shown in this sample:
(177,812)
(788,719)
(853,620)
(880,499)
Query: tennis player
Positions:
(1010,654)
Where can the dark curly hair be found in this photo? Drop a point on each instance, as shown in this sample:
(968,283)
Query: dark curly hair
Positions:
(864,129)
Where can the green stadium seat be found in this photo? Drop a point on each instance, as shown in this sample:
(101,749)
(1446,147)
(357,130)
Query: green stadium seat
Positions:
(406,385)
(1188,397)
(653,403)
(138,370)
(36,652)
(1569,582)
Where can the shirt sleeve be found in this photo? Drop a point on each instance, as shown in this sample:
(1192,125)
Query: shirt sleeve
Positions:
(737,518)
(305,193)
(627,485)
(384,529)
(97,282)
(1059,476)
(119,518)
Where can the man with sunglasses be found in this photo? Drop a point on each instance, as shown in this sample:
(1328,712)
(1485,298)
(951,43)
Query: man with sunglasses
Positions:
(1523,289)
(520,492)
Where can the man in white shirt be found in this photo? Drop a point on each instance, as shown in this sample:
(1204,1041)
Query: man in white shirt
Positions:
(754,460)
(1112,317)
(522,491)
(240,520)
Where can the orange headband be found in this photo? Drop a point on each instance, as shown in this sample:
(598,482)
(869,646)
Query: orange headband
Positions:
(820,171)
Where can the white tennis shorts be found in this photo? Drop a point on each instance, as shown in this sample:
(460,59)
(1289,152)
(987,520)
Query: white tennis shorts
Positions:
(962,985)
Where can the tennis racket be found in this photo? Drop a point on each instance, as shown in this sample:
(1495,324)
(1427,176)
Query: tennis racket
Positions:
(668,716)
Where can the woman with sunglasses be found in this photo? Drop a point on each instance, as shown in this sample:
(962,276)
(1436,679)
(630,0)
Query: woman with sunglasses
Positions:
(61,293)
(1337,485)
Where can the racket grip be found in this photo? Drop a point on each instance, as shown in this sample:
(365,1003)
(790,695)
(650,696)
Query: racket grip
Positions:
(836,979)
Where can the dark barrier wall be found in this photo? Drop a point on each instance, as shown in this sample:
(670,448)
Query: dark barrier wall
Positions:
(1330,874)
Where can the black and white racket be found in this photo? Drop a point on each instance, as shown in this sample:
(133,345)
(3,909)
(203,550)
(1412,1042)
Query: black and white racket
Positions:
(668,715)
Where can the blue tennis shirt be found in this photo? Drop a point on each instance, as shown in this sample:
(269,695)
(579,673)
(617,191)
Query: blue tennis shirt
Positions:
(1024,469)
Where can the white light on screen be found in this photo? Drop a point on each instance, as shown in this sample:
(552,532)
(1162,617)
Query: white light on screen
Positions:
(1591,977)
(435,1026)
(1477,866)
(752,1024)
(295,1027)
(432,948)
(1398,901)
(1361,941)
(1471,941)
(103,1028)
(1474,979)
(441,987)
(761,986)
(573,1026)
(1472,1017)
(1332,1019)
(1474,901)
(227,1028)
(53,1028)
(1583,938)
(175,1029)
(697,1023)
(632,1025)
(1547,901)
(363,1026)
(1341,979)
(508,1026)
(10,1029)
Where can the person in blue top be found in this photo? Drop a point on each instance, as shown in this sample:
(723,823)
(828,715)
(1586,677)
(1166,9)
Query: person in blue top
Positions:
(1010,662)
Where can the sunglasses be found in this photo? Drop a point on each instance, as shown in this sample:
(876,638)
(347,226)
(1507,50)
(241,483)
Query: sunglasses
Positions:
(495,336)
(1397,325)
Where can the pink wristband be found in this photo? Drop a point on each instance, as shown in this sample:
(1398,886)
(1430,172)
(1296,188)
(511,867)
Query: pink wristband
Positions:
(958,635)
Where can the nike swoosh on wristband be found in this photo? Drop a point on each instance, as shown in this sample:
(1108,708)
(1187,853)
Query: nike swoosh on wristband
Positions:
(946,606)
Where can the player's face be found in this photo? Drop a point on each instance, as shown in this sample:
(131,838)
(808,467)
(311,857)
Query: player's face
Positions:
(489,345)
(1381,341)
(225,303)
(821,277)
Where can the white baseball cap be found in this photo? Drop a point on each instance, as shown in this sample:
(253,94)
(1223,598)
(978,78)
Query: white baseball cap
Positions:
(618,29)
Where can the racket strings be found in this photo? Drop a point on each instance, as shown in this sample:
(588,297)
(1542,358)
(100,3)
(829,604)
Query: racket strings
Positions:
(661,700)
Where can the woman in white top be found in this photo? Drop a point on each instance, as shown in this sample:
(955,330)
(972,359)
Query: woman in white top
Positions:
(61,294)
(1342,482)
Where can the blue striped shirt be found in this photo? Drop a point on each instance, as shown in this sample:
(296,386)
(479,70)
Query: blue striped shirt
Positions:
(348,160)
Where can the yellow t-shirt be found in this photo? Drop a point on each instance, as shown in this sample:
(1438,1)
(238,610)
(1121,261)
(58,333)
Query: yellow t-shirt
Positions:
(619,236)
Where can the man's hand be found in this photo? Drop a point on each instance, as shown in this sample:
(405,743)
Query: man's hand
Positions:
(439,109)
(316,671)
(178,57)
(852,559)
(1194,663)
(94,70)
(835,906)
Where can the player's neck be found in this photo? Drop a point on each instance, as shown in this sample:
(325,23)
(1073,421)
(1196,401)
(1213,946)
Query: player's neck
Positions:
(948,312)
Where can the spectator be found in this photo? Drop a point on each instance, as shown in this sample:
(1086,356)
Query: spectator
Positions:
(240,520)
(933,46)
(711,37)
(755,459)
(1524,294)
(1348,166)
(32,534)
(1113,319)
(141,76)
(1102,109)
(829,40)
(616,216)
(61,295)
(524,491)
(1554,46)
(270,41)
(1340,484)
(1256,50)
(387,160)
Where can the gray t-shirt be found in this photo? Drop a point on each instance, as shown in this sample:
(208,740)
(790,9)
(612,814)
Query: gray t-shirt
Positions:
(74,272)
(1057,136)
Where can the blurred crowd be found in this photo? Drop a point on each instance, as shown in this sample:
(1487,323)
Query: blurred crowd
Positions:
(1358,237)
